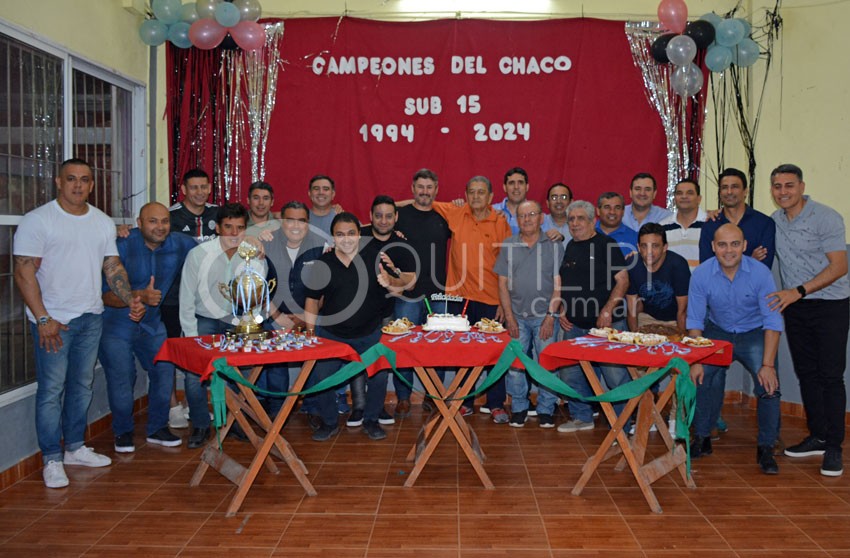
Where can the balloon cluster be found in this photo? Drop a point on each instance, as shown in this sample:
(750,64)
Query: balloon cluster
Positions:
(204,23)
(725,42)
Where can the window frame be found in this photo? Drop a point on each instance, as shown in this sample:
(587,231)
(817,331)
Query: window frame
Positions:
(72,61)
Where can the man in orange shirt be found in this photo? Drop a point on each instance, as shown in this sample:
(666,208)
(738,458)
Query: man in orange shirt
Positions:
(477,236)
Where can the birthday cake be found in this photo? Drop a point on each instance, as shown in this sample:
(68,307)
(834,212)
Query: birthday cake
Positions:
(446,322)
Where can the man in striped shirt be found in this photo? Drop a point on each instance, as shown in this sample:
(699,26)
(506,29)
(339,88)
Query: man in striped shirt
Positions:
(683,228)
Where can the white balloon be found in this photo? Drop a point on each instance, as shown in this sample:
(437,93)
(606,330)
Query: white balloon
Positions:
(687,80)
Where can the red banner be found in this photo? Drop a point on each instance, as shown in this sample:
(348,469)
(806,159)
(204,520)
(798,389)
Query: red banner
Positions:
(370,102)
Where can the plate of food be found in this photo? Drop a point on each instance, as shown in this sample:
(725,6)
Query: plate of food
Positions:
(650,339)
(398,327)
(486,325)
(603,332)
(697,341)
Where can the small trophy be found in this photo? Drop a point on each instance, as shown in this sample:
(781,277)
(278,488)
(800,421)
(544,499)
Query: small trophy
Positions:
(248,292)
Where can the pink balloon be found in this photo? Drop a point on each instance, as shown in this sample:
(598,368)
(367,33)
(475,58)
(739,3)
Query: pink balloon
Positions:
(249,35)
(673,15)
(206,33)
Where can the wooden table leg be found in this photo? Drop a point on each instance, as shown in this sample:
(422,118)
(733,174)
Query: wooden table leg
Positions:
(449,418)
(240,407)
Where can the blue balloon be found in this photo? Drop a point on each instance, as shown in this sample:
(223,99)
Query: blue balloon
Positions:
(153,32)
(712,18)
(745,53)
(718,58)
(178,34)
(167,11)
(729,32)
(226,14)
(747,27)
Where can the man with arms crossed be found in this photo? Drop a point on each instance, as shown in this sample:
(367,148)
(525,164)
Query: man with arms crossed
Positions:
(60,250)
(812,254)
(728,300)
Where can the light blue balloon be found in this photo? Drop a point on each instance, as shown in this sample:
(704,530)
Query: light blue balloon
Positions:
(226,14)
(712,18)
(729,32)
(747,27)
(718,58)
(167,11)
(153,32)
(188,13)
(745,53)
(178,34)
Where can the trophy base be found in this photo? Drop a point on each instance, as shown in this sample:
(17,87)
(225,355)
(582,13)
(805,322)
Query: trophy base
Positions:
(249,331)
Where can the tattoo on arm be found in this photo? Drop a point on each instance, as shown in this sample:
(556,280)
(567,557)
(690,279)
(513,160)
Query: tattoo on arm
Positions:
(116,278)
(26,261)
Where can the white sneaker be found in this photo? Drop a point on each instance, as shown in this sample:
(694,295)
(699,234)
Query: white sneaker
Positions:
(177,417)
(575,425)
(86,457)
(54,475)
(652,428)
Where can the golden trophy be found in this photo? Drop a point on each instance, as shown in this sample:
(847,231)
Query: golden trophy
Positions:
(248,293)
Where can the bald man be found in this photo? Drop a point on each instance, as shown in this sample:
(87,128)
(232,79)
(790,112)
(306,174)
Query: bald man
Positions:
(153,258)
(728,300)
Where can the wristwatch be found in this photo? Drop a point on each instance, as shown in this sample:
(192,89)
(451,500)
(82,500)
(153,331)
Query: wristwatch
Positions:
(553,314)
(44,320)
(802,290)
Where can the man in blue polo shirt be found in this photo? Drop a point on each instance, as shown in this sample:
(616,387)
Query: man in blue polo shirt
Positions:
(759,229)
(609,209)
(153,258)
(516,191)
(728,300)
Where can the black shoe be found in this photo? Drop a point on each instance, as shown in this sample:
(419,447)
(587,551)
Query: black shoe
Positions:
(764,457)
(325,432)
(546,421)
(385,418)
(198,437)
(427,406)
(832,465)
(315,422)
(373,430)
(164,437)
(532,409)
(700,446)
(518,419)
(355,418)
(124,443)
(810,446)
(237,433)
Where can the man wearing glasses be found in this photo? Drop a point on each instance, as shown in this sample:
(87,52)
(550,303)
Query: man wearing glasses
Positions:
(555,225)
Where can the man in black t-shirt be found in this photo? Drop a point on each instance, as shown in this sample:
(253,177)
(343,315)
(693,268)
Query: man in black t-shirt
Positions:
(658,283)
(428,235)
(346,290)
(594,280)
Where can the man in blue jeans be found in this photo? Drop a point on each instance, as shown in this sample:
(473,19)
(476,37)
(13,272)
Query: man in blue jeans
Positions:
(728,300)
(346,289)
(60,250)
(153,258)
(594,279)
(529,292)
(203,308)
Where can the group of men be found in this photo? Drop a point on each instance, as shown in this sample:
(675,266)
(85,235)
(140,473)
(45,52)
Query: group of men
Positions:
(546,276)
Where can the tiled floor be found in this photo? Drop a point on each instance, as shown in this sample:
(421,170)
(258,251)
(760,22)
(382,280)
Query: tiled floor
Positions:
(142,504)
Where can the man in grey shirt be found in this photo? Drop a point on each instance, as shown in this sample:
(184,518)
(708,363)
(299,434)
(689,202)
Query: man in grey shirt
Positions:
(815,300)
(529,289)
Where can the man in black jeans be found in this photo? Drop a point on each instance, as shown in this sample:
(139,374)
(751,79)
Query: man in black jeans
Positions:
(812,252)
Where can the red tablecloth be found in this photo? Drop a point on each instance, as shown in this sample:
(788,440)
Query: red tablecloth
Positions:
(565,353)
(186,353)
(440,353)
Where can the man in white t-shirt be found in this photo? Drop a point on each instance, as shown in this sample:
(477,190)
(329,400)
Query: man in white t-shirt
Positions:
(60,250)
